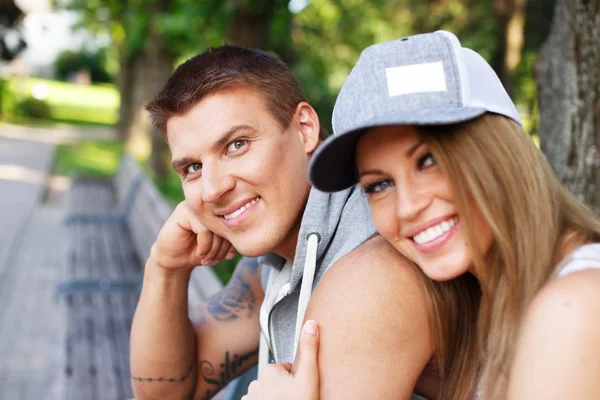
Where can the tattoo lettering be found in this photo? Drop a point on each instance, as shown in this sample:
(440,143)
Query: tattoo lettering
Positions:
(161,379)
(228,369)
(237,297)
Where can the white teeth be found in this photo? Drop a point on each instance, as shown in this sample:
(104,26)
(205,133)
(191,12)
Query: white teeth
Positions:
(241,209)
(435,232)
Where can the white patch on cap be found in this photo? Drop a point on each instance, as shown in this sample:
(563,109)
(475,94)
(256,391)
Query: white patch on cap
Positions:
(416,78)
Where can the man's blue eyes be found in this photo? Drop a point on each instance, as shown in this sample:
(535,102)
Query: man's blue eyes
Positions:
(193,168)
(236,145)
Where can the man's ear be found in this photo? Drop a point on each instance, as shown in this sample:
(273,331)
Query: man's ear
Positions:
(309,126)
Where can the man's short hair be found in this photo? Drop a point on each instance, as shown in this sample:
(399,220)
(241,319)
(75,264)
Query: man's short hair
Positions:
(225,67)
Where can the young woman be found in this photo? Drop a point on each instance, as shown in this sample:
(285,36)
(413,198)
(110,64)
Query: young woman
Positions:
(456,185)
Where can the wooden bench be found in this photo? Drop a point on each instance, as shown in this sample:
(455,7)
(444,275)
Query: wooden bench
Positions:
(105,199)
(111,227)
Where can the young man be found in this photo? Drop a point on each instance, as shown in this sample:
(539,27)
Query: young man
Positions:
(241,136)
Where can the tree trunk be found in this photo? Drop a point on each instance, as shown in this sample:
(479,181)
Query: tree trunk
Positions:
(250,23)
(568,72)
(151,70)
(510,16)
(160,65)
(125,80)
(161,61)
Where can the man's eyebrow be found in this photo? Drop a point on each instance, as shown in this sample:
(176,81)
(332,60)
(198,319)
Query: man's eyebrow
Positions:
(176,164)
(222,141)
(226,137)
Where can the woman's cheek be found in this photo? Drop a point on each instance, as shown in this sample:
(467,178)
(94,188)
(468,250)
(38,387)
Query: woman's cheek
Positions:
(384,218)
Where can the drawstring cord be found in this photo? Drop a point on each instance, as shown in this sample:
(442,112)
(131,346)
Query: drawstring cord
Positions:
(308,276)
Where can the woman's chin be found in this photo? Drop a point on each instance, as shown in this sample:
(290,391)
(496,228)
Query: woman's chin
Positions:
(442,273)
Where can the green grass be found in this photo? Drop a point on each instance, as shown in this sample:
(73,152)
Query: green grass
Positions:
(70,103)
(225,269)
(92,158)
(89,158)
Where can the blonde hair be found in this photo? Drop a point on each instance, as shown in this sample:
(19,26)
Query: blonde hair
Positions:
(493,164)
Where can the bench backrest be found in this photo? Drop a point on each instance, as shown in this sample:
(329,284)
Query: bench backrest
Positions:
(125,179)
(149,212)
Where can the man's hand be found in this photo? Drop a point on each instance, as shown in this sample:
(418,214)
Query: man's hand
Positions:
(183,242)
(285,381)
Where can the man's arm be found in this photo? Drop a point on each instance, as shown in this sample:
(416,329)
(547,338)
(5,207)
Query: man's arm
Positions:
(175,358)
(375,338)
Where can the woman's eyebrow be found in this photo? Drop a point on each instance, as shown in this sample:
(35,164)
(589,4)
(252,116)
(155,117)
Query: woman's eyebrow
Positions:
(370,172)
(414,148)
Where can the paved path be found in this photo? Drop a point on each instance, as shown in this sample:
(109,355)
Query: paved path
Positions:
(32,261)
(30,266)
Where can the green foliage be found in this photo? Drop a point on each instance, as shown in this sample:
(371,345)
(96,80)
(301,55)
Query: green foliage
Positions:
(323,41)
(69,62)
(32,107)
(225,269)
(170,187)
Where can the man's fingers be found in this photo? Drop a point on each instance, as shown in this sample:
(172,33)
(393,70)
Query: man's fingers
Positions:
(306,363)
(223,250)
(210,257)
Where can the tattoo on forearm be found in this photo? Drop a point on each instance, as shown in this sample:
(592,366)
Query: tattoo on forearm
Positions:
(236,299)
(228,370)
(161,379)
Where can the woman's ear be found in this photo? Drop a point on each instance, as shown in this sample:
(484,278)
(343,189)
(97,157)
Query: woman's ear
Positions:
(309,126)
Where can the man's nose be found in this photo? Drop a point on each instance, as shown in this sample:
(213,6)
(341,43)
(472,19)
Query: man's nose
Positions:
(216,182)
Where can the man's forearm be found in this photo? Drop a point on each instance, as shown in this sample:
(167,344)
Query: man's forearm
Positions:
(163,341)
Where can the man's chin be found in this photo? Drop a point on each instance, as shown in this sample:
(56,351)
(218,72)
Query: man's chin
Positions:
(252,251)
(252,248)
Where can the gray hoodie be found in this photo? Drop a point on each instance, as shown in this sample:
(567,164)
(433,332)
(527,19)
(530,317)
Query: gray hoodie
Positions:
(342,222)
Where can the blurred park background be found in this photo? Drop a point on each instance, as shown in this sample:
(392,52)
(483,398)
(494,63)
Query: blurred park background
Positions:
(75,75)
(97,62)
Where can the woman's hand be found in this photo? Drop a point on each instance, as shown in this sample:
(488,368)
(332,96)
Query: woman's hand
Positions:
(285,381)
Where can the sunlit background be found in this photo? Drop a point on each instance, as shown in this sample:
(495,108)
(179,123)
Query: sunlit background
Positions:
(75,75)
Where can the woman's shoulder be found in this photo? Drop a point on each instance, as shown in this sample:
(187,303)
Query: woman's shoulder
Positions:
(560,332)
(575,289)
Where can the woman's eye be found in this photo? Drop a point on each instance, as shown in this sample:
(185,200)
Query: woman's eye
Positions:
(193,168)
(378,186)
(236,145)
(426,161)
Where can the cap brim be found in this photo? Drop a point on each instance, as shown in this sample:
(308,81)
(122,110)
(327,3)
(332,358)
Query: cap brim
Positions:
(333,165)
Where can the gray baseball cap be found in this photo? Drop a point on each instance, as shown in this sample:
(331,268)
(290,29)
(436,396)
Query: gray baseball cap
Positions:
(427,79)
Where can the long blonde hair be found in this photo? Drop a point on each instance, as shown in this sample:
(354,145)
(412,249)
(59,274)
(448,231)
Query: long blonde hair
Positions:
(492,164)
